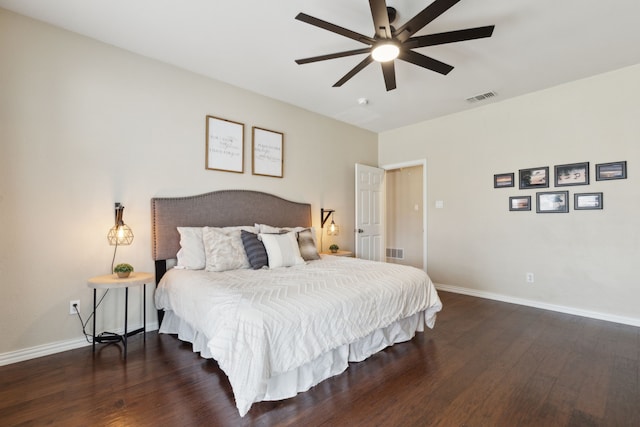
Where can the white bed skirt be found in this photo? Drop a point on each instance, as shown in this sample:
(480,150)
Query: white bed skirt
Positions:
(288,384)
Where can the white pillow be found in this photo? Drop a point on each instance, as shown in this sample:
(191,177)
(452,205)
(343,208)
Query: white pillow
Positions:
(191,254)
(282,249)
(224,249)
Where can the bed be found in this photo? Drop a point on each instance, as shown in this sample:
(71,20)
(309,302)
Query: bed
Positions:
(276,332)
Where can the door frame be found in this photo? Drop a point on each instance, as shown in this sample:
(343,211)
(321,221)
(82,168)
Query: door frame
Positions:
(423,163)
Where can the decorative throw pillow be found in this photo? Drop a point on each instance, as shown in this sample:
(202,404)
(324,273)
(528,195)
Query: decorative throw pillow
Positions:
(191,254)
(224,249)
(282,249)
(307,246)
(254,248)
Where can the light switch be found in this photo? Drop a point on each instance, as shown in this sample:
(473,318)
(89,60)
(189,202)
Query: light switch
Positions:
(439,204)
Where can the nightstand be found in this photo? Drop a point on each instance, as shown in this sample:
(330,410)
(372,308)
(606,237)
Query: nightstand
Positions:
(112,281)
(339,253)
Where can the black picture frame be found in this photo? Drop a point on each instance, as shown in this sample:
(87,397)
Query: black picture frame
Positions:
(571,174)
(609,171)
(552,202)
(534,177)
(503,180)
(520,203)
(587,201)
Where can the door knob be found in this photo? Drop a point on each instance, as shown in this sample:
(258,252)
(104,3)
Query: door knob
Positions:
(360,230)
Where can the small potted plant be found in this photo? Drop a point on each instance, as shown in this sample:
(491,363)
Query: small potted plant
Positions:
(334,248)
(123,270)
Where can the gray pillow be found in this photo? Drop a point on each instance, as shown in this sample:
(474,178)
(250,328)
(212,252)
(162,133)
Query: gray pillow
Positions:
(307,246)
(256,253)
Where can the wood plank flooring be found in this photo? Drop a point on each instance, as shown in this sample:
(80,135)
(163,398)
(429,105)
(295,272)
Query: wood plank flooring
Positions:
(486,363)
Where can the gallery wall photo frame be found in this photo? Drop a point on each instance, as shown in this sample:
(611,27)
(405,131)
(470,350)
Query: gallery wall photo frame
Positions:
(571,174)
(585,201)
(613,170)
(552,202)
(267,157)
(520,203)
(533,177)
(224,145)
(503,180)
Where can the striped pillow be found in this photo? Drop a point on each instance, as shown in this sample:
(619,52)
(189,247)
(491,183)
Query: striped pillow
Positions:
(255,250)
(282,249)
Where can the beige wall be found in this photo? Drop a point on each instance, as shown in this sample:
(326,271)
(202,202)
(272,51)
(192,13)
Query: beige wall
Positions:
(404,214)
(583,259)
(84,125)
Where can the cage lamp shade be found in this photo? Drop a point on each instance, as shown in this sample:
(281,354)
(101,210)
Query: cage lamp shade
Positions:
(120,234)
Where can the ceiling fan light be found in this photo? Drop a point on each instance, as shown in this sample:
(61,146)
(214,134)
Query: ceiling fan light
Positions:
(385,52)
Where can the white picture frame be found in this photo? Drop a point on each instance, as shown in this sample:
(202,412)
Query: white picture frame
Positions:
(267,152)
(225,145)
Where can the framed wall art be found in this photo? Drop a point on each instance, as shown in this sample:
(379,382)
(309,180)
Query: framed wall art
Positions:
(552,202)
(520,203)
(503,180)
(583,201)
(572,174)
(225,145)
(614,170)
(534,177)
(267,154)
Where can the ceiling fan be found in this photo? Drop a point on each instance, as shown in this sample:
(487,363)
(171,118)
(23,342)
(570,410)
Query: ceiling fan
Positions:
(389,43)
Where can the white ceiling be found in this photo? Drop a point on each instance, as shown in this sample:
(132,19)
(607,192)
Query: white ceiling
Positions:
(253,44)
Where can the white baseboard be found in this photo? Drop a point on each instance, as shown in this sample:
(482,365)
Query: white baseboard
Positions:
(537,304)
(51,348)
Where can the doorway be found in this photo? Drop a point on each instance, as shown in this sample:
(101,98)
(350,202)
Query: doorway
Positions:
(406,219)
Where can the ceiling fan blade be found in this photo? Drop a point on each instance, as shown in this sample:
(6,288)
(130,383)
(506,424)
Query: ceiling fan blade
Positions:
(389,72)
(333,55)
(431,12)
(380,18)
(334,28)
(366,61)
(449,37)
(425,62)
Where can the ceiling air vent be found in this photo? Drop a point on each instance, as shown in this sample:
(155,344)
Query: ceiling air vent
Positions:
(482,97)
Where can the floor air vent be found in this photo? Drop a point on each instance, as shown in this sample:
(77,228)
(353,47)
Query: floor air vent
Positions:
(395,253)
(482,97)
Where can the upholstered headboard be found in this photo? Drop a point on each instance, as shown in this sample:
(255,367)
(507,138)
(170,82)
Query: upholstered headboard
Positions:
(219,209)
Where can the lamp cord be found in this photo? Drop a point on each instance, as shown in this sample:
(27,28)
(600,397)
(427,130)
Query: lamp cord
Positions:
(83,323)
(114,256)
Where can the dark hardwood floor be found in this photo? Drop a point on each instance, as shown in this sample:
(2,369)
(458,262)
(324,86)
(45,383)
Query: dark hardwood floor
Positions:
(485,364)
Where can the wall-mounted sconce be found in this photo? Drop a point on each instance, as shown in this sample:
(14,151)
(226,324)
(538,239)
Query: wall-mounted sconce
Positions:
(333,229)
(120,234)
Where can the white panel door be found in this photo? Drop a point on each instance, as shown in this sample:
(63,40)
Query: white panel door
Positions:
(369,212)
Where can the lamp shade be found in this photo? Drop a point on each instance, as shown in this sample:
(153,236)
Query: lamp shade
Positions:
(333,229)
(120,233)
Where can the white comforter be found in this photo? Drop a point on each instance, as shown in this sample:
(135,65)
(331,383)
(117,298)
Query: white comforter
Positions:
(266,322)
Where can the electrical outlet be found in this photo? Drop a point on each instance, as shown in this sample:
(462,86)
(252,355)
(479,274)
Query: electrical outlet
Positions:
(529,277)
(72,309)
